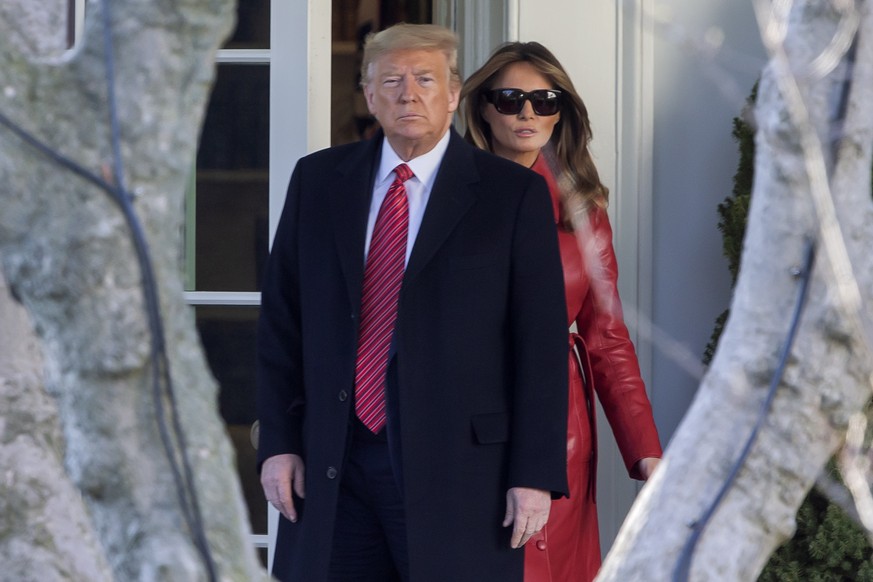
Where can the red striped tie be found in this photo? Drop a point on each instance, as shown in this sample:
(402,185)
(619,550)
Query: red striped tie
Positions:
(383,275)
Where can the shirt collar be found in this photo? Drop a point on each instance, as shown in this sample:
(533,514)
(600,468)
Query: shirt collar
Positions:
(424,166)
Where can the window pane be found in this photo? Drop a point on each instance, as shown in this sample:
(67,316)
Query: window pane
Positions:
(231,197)
(228,336)
(252,26)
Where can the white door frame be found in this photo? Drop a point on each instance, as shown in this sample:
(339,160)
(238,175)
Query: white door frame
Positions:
(300,41)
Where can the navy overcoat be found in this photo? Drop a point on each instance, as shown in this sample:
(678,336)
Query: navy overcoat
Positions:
(479,399)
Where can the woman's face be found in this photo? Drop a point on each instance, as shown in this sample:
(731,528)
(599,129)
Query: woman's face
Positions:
(519,137)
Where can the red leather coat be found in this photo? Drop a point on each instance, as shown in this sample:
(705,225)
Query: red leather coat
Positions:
(602,360)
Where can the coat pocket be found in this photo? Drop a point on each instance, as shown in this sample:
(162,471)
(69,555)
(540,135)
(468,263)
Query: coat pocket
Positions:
(491,428)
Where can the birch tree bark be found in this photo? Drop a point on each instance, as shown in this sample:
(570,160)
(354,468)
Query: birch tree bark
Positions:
(807,185)
(67,253)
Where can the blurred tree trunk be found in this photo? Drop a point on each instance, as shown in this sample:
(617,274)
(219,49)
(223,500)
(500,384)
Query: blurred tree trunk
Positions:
(67,254)
(45,530)
(828,375)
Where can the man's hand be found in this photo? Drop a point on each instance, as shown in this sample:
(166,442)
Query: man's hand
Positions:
(528,511)
(279,474)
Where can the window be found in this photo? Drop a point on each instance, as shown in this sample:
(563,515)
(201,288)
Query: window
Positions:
(227,235)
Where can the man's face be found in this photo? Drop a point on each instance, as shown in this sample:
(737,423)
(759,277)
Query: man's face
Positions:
(411,95)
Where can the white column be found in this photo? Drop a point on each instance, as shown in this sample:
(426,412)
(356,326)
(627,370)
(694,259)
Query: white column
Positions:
(300,62)
(300,46)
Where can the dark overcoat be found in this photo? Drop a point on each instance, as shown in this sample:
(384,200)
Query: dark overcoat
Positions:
(479,365)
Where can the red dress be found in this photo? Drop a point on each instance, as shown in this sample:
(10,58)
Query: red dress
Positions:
(568,549)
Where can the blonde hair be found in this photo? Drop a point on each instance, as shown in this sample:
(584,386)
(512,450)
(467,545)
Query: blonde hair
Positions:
(411,37)
(570,137)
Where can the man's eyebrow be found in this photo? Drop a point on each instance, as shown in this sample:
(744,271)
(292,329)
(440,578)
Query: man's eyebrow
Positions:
(415,72)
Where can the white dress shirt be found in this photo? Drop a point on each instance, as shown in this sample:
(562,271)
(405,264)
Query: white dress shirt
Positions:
(418,187)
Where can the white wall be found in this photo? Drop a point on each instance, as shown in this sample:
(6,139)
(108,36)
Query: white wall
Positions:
(693,159)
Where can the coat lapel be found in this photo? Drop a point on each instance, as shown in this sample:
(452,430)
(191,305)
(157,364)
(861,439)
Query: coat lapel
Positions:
(449,201)
(350,188)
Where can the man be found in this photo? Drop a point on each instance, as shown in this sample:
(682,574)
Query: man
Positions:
(402,461)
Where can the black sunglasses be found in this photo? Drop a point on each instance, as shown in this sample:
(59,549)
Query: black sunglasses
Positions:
(511,101)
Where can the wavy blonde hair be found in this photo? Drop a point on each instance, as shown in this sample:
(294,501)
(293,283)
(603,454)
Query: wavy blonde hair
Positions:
(427,37)
(570,137)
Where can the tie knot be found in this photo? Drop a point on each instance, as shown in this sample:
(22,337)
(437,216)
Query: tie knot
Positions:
(403,172)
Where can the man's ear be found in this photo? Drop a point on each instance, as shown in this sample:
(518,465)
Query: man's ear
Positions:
(368,95)
(454,98)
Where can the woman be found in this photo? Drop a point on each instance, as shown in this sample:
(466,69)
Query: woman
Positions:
(522,106)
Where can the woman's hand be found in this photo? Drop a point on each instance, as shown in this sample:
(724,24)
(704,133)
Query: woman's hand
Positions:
(647,466)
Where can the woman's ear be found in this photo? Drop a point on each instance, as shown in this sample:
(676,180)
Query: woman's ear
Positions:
(483,106)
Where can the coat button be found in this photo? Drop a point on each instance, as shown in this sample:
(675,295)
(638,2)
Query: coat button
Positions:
(343,396)
(541,545)
(331,472)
